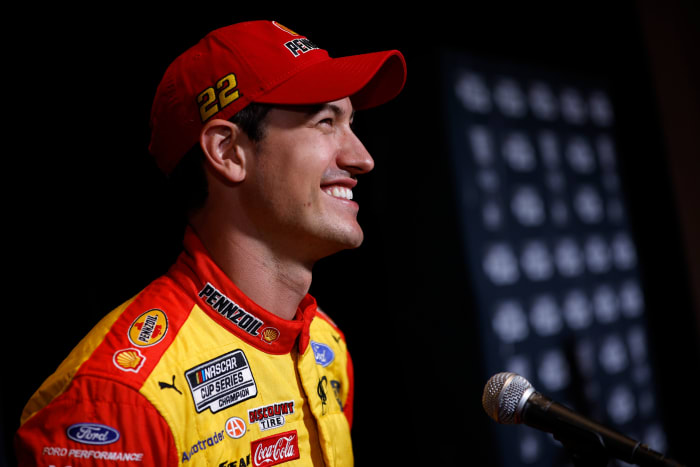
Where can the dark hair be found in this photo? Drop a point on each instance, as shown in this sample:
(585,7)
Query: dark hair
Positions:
(188,181)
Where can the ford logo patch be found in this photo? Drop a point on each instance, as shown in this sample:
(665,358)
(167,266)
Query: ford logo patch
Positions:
(322,353)
(92,433)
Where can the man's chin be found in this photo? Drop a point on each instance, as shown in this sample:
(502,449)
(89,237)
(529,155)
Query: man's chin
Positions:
(347,240)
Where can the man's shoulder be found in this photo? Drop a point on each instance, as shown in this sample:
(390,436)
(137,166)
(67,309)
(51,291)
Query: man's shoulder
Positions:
(326,317)
(124,345)
(325,328)
(138,332)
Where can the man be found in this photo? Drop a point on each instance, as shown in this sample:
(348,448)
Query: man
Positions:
(226,359)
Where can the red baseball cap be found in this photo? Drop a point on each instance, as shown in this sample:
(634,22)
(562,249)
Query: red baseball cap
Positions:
(259,61)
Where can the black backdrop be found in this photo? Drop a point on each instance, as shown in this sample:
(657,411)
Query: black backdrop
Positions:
(88,224)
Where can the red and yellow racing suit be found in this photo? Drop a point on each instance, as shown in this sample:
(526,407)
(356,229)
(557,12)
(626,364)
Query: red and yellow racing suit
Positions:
(192,372)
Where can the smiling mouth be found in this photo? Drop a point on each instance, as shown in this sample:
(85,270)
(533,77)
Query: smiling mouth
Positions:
(339,192)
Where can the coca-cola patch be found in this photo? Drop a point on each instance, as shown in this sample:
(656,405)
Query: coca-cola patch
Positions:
(275,449)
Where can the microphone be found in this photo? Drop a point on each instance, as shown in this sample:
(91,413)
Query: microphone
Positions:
(510,399)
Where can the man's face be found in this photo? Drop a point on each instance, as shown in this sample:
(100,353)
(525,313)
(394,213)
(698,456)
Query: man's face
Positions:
(302,178)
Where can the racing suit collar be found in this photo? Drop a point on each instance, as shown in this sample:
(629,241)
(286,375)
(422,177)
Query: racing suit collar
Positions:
(215,293)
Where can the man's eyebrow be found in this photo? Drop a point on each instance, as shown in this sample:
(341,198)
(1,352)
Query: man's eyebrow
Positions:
(336,109)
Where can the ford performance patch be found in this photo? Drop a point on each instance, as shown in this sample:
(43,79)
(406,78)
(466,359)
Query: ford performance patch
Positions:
(92,433)
(222,382)
(323,354)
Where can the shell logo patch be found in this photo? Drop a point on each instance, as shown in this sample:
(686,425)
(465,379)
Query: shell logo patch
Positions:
(129,360)
(270,335)
(149,328)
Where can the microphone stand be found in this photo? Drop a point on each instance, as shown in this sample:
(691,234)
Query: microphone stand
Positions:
(584,448)
(588,444)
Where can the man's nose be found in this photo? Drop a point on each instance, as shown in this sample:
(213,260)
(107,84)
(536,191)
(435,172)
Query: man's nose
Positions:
(355,158)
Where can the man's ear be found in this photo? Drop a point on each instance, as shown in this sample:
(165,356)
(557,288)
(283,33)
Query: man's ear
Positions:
(226,148)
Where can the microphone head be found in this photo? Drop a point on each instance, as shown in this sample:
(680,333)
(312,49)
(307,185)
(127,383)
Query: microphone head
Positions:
(504,396)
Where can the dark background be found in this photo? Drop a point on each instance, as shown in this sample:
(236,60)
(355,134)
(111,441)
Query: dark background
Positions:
(89,224)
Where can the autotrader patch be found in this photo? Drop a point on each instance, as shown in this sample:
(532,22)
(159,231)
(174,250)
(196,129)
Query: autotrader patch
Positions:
(222,382)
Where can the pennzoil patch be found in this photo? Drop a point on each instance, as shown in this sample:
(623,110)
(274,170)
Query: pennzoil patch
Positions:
(149,328)
(222,382)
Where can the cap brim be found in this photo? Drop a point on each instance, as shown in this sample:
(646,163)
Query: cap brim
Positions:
(368,79)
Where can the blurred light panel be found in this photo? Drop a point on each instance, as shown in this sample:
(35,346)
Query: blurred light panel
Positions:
(548,247)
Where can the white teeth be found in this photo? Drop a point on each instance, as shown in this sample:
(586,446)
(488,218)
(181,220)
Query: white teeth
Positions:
(339,192)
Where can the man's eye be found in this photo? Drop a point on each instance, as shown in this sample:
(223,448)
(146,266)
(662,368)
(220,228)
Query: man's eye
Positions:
(326,121)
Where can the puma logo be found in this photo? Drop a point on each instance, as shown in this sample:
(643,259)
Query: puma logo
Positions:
(167,385)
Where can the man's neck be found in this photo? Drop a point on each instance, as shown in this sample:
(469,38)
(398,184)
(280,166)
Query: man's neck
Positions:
(275,283)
